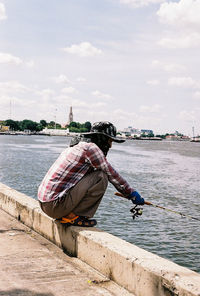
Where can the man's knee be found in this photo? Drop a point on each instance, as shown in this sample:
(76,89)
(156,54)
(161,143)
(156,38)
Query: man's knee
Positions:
(100,180)
(104,178)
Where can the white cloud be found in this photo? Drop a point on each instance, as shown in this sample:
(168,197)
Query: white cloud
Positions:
(84,49)
(30,64)
(187,115)
(140,121)
(61,79)
(168,67)
(69,90)
(173,68)
(101,95)
(6,100)
(187,82)
(197,94)
(181,41)
(153,82)
(183,16)
(150,109)
(2,12)
(120,114)
(81,79)
(99,104)
(10,87)
(182,13)
(46,93)
(6,58)
(140,3)
(92,106)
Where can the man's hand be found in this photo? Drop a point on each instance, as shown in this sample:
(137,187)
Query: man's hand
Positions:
(136,198)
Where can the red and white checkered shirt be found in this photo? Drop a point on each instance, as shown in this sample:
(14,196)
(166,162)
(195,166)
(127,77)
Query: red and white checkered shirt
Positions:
(72,164)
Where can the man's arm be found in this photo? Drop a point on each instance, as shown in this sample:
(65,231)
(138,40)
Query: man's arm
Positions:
(97,159)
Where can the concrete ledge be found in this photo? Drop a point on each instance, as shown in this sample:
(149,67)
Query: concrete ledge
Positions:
(135,269)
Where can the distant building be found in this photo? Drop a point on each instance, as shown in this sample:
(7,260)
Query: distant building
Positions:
(4,128)
(70,118)
(131,132)
(146,132)
(177,138)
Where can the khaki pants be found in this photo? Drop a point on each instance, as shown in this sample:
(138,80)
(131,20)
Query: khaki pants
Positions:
(83,199)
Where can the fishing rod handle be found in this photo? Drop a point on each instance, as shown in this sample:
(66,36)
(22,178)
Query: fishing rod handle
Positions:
(119,194)
(146,202)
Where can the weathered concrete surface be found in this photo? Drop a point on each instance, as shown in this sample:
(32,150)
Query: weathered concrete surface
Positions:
(32,266)
(135,269)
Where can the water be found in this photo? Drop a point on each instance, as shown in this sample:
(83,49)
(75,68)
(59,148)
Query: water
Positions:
(165,173)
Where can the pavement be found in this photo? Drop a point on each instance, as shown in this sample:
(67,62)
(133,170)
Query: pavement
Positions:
(30,265)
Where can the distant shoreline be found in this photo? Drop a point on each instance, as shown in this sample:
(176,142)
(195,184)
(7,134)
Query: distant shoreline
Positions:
(195,140)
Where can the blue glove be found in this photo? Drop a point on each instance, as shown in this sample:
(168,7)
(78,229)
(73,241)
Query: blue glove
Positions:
(136,198)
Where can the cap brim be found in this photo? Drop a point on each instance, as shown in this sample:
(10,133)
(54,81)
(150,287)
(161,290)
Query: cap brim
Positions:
(115,139)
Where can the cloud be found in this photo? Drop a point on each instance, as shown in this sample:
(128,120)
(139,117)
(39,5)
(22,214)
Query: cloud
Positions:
(6,58)
(46,93)
(182,13)
(61,79)
(181,41)
(92,106)
(120,114)
(69,90)
(150,109)
(187,115)
(84,49)
(187,82)
(101,95)
(12,87)
(123,118)
(30,63)
(183,17)
(81,79)
(2,12)
(6,100)
(153,82)
(197,94)
(140,3)
(168,67)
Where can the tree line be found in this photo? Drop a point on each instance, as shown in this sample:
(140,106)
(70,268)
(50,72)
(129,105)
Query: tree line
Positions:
(34,126)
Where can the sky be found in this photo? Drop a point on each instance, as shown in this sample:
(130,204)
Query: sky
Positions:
(131,62)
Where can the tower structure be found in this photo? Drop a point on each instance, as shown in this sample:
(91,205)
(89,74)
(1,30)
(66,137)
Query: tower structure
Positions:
(70,118)
(70,115)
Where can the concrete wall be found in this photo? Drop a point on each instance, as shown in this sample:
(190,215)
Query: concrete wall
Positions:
(135,269)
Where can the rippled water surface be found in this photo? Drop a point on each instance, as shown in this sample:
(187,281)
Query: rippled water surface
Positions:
(165,173)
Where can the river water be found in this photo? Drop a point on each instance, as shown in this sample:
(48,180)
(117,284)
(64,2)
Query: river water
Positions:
(165,173)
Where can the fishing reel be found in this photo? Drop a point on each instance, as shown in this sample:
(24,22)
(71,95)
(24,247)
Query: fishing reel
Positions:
(136,211)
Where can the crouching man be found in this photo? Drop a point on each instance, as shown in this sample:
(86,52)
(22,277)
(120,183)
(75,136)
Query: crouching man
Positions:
(74,186)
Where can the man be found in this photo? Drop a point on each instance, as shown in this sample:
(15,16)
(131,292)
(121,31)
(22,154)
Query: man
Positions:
(73,187)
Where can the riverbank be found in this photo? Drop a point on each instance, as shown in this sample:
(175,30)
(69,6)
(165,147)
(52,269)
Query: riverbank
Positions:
(49,132)
(66,133)
(133,268)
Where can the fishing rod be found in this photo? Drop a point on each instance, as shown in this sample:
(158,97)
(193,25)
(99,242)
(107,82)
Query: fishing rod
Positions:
(138,211)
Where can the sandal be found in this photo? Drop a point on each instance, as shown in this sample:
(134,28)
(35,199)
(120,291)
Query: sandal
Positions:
(78,221)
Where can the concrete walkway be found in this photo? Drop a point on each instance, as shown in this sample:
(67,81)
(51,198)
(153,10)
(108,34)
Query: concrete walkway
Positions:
(32,266)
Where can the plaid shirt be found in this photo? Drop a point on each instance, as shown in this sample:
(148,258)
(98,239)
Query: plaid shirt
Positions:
(72,164)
